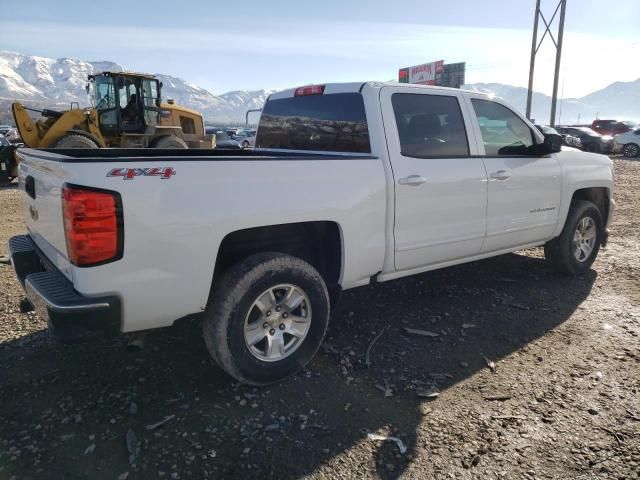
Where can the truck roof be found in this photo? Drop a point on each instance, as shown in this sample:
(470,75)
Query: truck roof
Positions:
(358,86)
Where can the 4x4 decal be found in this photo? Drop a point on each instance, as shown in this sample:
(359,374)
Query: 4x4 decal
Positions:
(131,173)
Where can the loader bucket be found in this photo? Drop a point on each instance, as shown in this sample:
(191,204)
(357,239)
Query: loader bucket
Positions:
(25,125)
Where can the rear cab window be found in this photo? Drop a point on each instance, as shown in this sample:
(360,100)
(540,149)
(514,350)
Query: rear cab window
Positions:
(333,122)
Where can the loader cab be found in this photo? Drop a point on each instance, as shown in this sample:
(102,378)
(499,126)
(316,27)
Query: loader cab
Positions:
(126,103)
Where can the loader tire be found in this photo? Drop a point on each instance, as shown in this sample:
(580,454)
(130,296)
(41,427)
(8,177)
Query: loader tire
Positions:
(72,140)
(170,141)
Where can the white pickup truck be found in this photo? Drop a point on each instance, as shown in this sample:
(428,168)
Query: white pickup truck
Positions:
(349,184)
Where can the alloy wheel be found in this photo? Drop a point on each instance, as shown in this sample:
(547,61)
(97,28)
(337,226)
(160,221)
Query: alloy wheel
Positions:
(277,322)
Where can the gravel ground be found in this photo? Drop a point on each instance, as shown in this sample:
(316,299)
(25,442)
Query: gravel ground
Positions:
(526,374)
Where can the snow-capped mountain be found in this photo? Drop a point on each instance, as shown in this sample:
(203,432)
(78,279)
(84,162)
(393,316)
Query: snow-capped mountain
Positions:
(54,83)
(620,100)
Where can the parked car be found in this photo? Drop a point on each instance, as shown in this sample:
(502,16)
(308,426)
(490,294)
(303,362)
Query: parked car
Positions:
(568,140)
(591,140)
(5,128)
(7,162)
(627,143)
(335,199)
(612,127)
(246,139)
(13,135)
(225,142)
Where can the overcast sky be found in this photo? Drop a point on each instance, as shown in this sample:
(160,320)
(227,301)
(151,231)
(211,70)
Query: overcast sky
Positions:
(251,44)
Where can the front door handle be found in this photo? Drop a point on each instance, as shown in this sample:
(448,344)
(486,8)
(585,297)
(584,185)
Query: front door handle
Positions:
(501,175)
(413,180)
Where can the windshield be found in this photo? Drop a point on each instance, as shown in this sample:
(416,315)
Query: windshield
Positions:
(547,130)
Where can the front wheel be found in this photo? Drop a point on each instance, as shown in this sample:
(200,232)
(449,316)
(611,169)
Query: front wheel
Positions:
(74,140)
(575,250)
(631,150)
(170,142)
(266,318)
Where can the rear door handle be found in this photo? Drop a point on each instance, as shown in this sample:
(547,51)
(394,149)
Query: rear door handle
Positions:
(501,175)
(413,180)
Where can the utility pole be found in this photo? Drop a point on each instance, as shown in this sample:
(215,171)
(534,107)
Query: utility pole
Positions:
(532,62)
(556,75)
(535,46)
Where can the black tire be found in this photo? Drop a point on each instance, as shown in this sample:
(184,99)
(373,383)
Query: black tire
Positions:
(559,252)
(233,296)
(631,150)
(245,144)
(592,147)
(170,141)
(74,140)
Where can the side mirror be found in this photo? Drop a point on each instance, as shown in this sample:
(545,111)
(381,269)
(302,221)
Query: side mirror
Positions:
(552,143)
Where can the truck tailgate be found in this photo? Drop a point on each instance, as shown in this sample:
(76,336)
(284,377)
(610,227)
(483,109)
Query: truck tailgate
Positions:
(41,184)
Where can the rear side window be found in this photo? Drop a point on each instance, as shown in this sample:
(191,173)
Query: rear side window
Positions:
(334,123)
(430,125)
(503,132)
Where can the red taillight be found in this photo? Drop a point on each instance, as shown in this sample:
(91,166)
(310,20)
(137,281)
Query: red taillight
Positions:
(92,225)
(309,90)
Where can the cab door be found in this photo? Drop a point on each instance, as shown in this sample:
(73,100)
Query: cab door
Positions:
(151,101)
(440,188)
(524,189)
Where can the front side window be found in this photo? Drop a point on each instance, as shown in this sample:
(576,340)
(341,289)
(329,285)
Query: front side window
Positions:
(429,125)
(503,132)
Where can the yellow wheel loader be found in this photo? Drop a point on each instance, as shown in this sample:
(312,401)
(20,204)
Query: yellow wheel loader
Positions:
(126,113)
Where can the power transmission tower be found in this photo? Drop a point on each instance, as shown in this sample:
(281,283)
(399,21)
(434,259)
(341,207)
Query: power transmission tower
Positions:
(535,46)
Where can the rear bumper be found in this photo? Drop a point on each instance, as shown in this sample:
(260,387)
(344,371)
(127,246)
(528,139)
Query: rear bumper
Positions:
(71,317)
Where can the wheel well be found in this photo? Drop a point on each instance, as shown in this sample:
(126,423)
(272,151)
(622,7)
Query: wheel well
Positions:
(318,243)
(597,195)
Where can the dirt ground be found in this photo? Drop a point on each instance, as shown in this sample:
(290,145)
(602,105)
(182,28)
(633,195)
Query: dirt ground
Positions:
(563,402)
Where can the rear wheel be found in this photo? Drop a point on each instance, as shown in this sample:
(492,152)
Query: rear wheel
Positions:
(631,150)
(170,141)
(575,250)
(245,144)
(266,318)
(74,140)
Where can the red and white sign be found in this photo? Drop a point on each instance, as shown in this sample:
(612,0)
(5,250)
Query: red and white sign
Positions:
(425,74)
